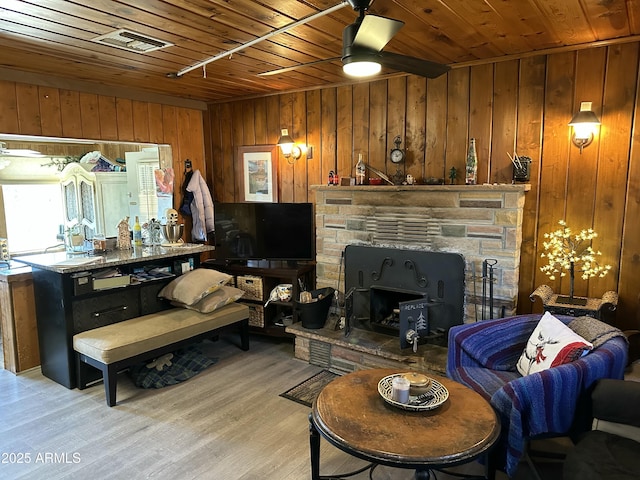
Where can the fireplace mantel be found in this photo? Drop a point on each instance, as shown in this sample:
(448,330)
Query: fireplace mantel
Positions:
(495,187)
(480,222)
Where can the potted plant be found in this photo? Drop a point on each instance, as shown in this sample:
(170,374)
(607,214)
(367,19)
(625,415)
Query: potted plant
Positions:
(571,253)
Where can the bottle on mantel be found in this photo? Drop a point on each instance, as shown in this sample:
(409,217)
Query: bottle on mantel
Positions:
(361,170)
(472,164)
(137,233)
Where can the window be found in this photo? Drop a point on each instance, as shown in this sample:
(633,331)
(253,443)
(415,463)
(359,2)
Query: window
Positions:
(33,214)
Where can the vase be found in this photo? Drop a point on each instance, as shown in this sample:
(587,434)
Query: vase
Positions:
(471,169)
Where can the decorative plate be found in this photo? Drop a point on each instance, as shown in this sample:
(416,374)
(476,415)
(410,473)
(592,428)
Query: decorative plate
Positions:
(439,392)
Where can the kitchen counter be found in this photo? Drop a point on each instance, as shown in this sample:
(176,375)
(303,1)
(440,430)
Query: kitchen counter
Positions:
(13,270)
(62,262)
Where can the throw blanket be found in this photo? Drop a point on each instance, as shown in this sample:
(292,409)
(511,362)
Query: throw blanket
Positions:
(595,331)
(170,369)
(543,403)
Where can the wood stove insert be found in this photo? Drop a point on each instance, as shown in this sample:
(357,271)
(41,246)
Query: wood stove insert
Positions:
(380,281)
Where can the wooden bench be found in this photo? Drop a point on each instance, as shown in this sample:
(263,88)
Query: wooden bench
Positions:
(115,347)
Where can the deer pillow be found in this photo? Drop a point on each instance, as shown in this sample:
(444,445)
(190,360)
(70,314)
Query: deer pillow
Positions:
(552,343)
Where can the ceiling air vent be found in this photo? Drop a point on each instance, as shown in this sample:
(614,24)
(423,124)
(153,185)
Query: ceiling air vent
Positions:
(134,42)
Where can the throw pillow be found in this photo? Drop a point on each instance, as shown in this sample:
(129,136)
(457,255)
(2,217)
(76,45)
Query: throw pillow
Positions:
(218,299)
(192,286)
(552,343)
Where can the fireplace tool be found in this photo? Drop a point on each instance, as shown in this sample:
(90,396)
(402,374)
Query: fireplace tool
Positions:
(348,311)
(475,290)
(487,277)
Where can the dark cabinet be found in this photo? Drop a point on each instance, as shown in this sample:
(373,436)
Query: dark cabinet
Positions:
(66,304)
(95,311)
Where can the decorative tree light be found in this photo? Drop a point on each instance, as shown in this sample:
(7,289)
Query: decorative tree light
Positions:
(571,253)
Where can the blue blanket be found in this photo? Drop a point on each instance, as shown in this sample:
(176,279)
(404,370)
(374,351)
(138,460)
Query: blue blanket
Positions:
(483,356)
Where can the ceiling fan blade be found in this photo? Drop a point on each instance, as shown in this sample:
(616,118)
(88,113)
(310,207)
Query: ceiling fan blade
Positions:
(295,67)
(417,66)
(375,32)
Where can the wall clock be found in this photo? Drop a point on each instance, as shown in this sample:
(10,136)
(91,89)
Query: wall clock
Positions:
(397,154)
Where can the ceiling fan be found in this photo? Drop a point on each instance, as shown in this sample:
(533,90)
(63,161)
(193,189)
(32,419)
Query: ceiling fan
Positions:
(362,44)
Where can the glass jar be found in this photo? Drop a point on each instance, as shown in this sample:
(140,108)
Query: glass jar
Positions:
(74,240)
(99,243)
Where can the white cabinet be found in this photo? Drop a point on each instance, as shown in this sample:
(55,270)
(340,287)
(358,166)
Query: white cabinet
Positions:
(79,198)
(97,201)
(112,201)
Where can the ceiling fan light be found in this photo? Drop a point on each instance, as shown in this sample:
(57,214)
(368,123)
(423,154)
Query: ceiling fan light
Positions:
(361,68)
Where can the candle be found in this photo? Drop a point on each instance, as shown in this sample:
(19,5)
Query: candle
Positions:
(400,389)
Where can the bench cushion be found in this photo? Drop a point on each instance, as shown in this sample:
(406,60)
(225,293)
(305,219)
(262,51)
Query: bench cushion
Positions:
(126,339)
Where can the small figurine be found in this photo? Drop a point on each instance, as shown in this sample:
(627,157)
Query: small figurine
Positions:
(453,173)
(152,232)
(172,216)
(123,241)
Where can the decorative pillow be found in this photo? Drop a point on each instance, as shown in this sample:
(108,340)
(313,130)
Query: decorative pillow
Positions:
(552,343)
(218,299)
(192,286)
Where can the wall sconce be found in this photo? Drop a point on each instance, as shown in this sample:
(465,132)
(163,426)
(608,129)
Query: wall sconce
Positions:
(290,150)
(584,125)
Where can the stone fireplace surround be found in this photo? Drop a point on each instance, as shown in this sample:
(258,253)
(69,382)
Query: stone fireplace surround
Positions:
(480,222)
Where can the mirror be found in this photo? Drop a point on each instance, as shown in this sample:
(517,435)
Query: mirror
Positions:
(123,186)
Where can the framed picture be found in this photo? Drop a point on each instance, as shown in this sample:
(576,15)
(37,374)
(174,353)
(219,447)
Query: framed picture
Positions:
(258,165)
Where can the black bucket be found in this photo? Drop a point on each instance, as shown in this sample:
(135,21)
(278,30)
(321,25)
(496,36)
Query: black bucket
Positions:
(314,315)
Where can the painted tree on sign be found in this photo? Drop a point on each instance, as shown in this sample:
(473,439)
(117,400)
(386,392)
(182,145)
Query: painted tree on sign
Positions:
(421,323)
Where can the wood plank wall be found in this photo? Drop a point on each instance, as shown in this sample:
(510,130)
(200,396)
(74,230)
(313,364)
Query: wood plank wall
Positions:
(28,109)
(518,105)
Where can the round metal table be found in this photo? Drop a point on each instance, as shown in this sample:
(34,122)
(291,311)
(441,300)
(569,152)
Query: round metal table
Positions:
(350,414)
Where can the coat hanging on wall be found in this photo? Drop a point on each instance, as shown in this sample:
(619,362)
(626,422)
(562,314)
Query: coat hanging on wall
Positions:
(201,207)
(187,197)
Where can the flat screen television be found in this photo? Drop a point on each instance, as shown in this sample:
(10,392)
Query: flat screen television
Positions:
(264,231)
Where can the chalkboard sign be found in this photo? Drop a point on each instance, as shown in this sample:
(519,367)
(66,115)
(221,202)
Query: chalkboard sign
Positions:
(414,315)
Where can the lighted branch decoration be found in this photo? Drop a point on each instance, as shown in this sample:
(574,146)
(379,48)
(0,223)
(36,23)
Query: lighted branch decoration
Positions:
(60,162)
(571,253)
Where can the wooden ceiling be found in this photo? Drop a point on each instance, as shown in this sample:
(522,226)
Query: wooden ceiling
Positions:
(53,38)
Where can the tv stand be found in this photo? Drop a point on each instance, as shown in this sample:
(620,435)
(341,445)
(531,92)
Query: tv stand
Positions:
(265,275)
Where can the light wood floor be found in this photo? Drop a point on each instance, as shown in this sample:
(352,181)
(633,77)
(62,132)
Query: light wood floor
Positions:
(228,423)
